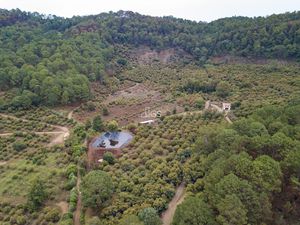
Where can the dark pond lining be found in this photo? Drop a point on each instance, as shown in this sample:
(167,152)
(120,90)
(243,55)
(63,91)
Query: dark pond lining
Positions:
(111,140)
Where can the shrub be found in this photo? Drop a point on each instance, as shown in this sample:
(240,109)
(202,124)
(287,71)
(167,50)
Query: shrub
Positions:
(72,168)
(94,221)
(112,125)
(71,181)
(97,189)
(68,221)
(149,216)
(122,61)
(73,199)
(90,106)
(199,104)
(109,157)
(53,215)
(21,220)
(98,124)
(223,89)
(37,195)
(19,146)
(105,111)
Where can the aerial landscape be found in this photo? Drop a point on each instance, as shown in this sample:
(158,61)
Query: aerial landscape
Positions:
(121,118)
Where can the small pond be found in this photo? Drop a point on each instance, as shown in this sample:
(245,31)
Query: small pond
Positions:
(112,140)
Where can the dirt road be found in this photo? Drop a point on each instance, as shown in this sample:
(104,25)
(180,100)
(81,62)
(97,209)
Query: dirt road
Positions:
(70,114)
(178,198)
(60,135)
(2,163)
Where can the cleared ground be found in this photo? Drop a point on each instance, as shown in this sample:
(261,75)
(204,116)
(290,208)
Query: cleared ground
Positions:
(136,103)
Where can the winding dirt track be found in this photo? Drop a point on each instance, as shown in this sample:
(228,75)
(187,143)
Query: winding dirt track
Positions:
(60,135)
(178,198)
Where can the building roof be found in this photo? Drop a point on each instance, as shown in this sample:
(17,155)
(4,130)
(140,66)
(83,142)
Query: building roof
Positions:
(147,121)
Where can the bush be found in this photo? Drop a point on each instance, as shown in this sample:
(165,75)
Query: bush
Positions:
(109,157)
(97,189)
(223,89)
(73,199)
(19,146)
(112,125)
(68,221)
(149,216)
(21,220)
(200,103)
(94,221)
(130,220)
(105,111)
(71,181)
(67,216)
(122,61)
(71,169)
(53,215)
(98,124)
(37,195)
(90,106)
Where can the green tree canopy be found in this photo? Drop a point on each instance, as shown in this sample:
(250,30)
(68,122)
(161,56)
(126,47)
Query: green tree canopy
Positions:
(112,125)
(193,211)
(232,211)
(149,216)
(98,124)
(37,194)
(97,189)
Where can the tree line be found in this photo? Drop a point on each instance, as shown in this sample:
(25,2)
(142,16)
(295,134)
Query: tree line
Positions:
(51,60)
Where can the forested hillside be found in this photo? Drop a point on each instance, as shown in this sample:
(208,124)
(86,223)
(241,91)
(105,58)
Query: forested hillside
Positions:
(70,87)
(51,60)
(248,172)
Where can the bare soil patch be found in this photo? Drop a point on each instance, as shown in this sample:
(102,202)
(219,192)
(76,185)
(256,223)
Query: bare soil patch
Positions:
(3,163)
(145,55)
(136,103)
(64,206)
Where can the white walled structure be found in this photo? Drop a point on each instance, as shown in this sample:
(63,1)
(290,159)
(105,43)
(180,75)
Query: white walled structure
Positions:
(226,106)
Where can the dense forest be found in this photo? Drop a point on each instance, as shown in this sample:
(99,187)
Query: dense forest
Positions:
(242,169)
(51,60)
